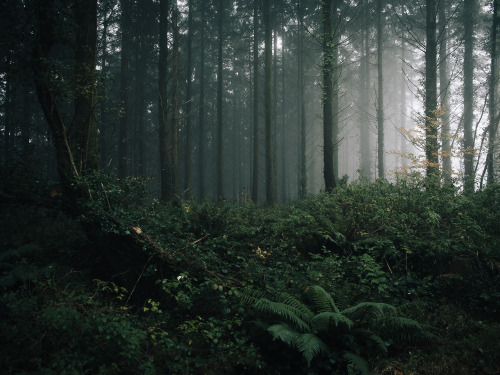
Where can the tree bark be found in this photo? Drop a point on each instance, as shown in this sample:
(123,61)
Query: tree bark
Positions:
(431,142)
(219,163)
(380,93)
(165,172)
(268,106)
(124,88)
(255,150)
(468,142)
(284,160)
(444,83)
(140,102)
(366,160)
(75,154)
(174,129)
(189,99)
(403,100)
(327,44)
(336,75)
(8,116)
(201,113)
(103,128)
(493,121)
(301,107)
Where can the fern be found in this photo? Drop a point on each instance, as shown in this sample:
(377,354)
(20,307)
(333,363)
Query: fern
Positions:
(321,328)
(357,365)
(404,329)
(308,344)
(283,332)
(326,321)
(370,339)
(290,313)
(287,299)
(311,345)
(251,296)
(320,299)
(368,310)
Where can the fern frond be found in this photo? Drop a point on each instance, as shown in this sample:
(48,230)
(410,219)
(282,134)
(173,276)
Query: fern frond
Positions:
(251,296)
(341,296)
(311,345)
(283,332)
(404,329)
(357,365)
(290,313)
(371,340)
(366,311)
(326,321)
(308,344)
(287,299)
(320,299)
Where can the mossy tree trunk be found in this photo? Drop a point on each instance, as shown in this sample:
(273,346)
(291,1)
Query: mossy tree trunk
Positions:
(75,145)
(329,173)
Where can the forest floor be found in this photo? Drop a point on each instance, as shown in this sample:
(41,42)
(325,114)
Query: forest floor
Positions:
(71,305)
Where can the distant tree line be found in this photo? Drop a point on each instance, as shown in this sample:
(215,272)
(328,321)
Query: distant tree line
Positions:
(256,99)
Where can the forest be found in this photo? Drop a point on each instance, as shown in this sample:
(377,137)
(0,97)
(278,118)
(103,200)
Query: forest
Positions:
(249,187)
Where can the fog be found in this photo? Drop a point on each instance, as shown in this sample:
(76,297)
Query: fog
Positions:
(225,123)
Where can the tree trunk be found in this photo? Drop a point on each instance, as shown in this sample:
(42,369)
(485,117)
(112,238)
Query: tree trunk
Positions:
(255,151)
(124,88)
(275,101)
(78,154)
(189,99)
(268,106)
(301,107)
(201,113)
(403,100)
(468,142)
(220,190)
(364,118)
(284,160)
(444,84)
(140,102)
(165,172)
(329,173)
(84,121)
(103,128)
(431,142)
(174,129)
(493,122)
(8,116)
(337,73)
(380,93)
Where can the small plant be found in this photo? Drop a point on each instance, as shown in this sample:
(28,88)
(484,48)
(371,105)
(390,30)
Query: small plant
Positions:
(316,326)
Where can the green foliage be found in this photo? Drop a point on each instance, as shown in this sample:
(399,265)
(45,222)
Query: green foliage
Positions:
(315,326)
(109,198)
(64,307)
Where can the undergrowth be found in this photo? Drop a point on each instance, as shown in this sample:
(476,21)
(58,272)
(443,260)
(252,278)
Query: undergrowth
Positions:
(70,304)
